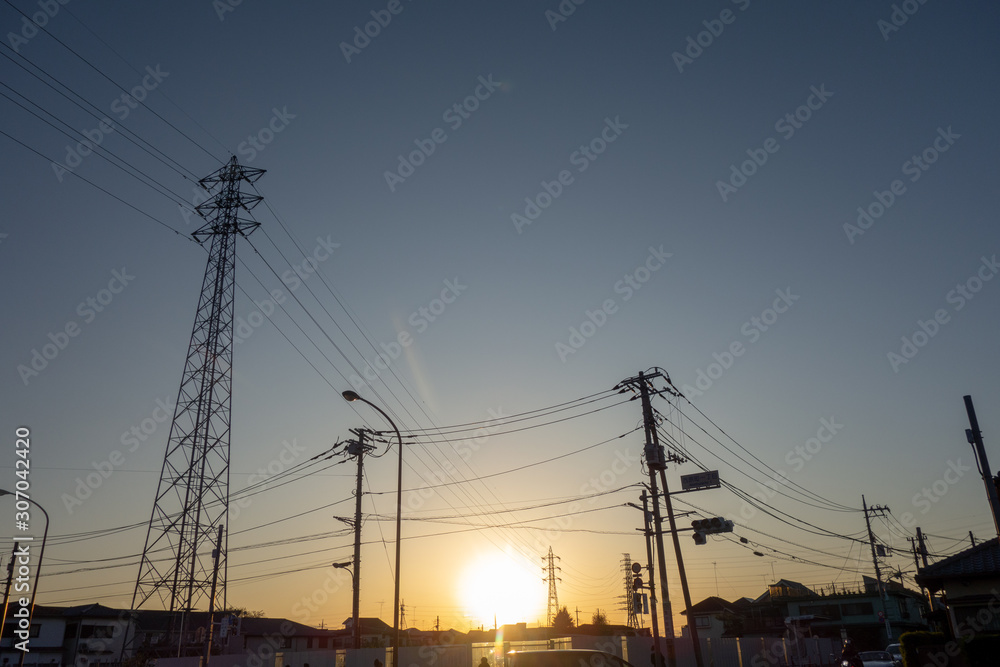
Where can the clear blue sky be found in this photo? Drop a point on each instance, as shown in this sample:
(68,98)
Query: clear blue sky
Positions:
(696,170)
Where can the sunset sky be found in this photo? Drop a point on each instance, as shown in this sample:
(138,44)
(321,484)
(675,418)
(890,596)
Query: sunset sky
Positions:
(787,207)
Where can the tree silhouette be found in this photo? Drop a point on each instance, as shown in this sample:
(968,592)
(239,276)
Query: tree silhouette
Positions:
(562,621)
(600,623)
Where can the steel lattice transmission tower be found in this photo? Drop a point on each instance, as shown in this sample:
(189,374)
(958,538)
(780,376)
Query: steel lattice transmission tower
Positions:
(192,499)
(630,607)
(551,577)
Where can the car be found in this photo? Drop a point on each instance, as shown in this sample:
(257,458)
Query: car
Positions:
(564,658)
(896,652)
(876,659)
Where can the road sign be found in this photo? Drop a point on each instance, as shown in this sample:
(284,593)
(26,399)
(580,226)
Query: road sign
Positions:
(701,480)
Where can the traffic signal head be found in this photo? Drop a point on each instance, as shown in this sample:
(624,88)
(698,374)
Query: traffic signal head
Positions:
(716,524)
(699,537)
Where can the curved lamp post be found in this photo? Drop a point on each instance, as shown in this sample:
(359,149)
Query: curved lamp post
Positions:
(352,396)
(38,565)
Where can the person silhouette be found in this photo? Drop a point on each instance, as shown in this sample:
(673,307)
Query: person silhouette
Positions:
(484,662)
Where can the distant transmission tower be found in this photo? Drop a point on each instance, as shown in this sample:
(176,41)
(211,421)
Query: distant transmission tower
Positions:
(633,613)
(192,498)
(552,579)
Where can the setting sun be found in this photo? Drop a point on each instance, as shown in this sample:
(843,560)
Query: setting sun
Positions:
(503,586)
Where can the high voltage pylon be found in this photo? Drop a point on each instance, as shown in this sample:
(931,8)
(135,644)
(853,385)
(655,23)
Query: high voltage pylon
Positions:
(552,579)
(192,498)
(630,607)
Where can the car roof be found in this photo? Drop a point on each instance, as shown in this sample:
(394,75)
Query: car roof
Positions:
(555,654)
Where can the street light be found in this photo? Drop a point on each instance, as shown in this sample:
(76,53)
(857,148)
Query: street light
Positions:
(38,566)
(352,396)
(355,620)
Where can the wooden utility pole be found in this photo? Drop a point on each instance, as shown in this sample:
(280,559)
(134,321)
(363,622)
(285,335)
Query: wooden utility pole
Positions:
(658,652)
(357,448)
(975,438)
(6,590)
(877,509)
(656,462)
(211,598)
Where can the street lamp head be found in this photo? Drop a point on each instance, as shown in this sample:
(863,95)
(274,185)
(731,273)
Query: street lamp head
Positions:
(342,565)
(350,396)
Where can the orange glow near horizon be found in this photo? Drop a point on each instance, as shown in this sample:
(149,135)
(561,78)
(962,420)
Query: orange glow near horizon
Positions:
(500,586)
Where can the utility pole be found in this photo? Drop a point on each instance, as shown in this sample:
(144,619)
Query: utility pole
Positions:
(6,590)
(881,510)
(648,532)
(692,626)
(357,448)
(211,598)
(656,461)
(975,437)
(577,617)
(923,547)
(923,556)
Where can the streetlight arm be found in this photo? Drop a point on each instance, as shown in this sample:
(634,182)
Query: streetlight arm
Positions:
(382,412)
(38,565)
(353,396)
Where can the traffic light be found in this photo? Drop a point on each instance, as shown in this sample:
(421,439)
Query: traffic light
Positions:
(703,527)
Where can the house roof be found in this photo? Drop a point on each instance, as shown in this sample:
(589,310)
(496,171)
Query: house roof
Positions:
(369,625)
(710,605)
(88,610)
(980,561)
(273,626)
(785,588)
